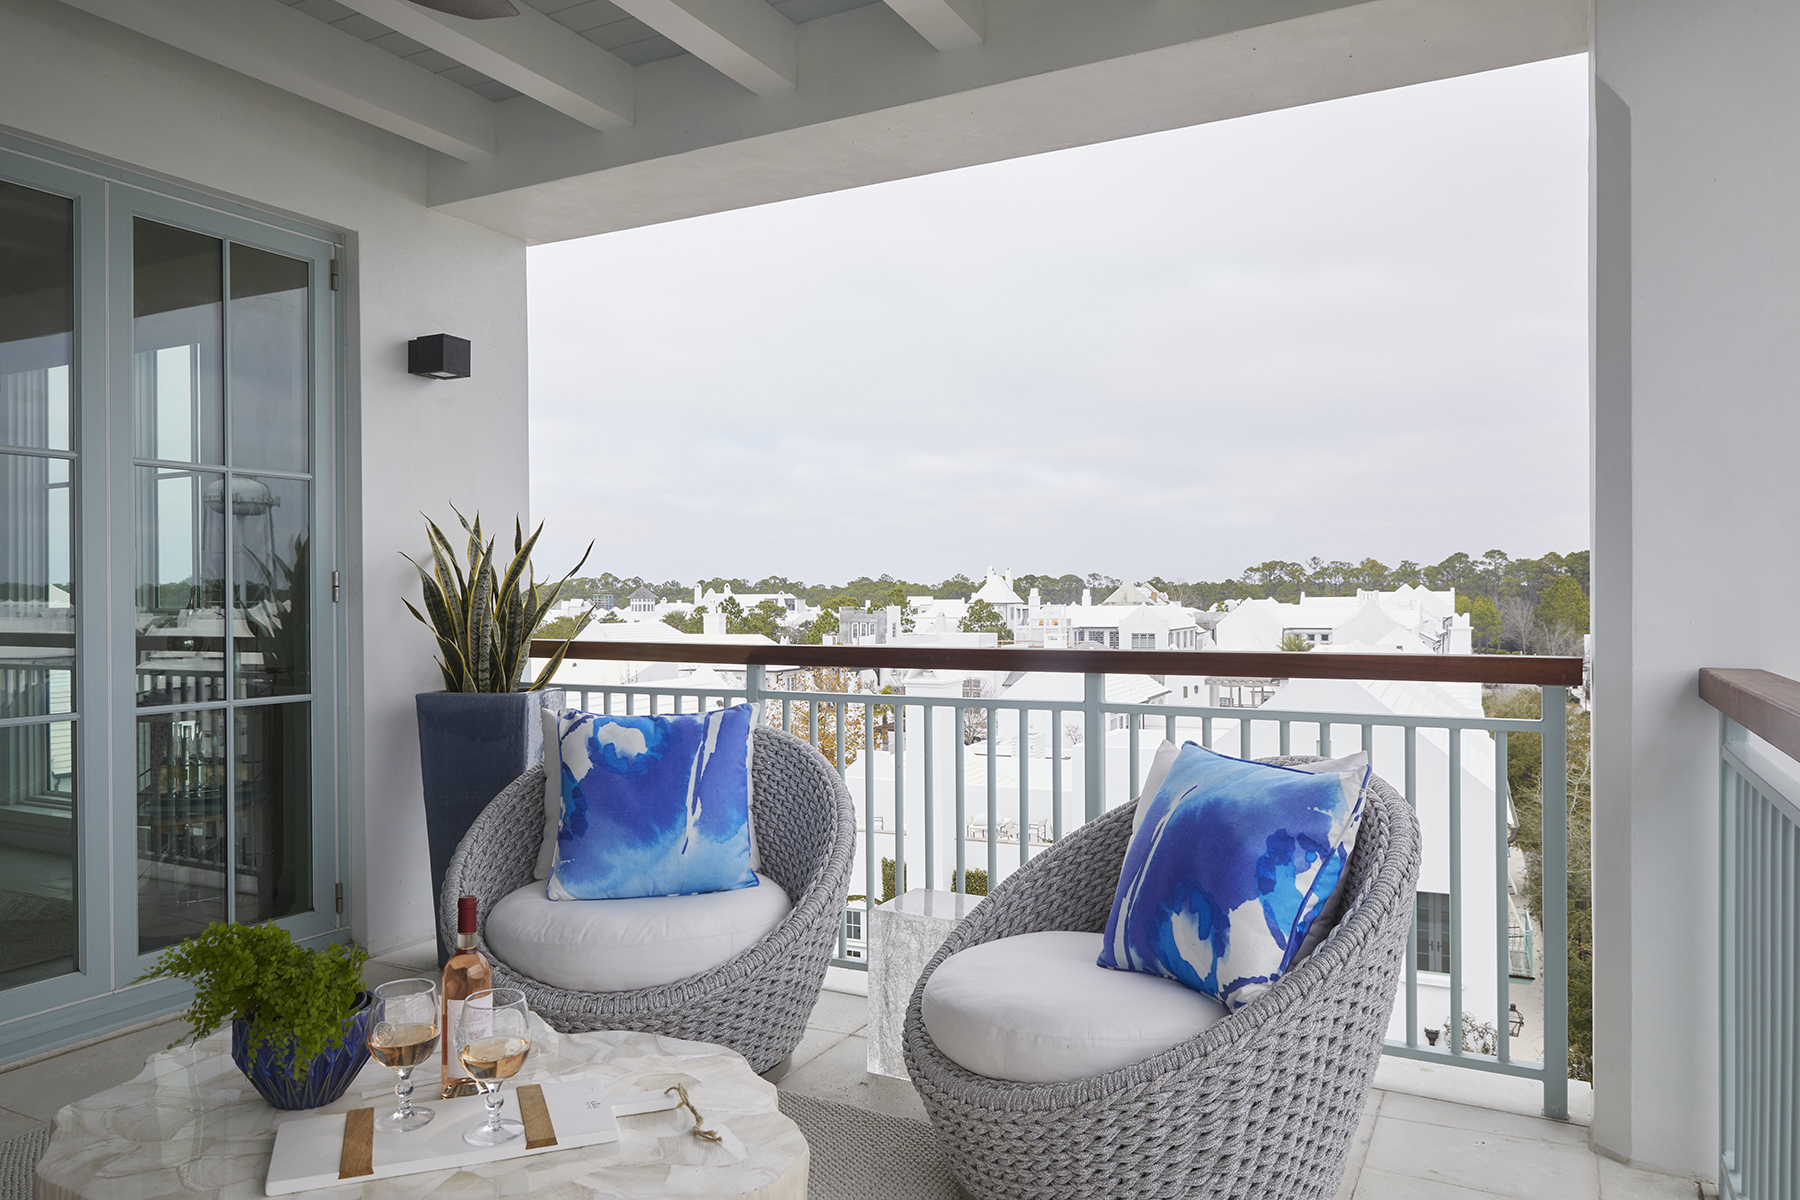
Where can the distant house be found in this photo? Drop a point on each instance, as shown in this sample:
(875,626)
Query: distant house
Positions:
(997,590)
(862,626)
(1408,620)
(643,601)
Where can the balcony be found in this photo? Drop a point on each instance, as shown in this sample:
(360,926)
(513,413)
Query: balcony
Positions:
(948,785)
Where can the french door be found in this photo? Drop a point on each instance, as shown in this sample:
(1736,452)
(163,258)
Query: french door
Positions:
(169,713)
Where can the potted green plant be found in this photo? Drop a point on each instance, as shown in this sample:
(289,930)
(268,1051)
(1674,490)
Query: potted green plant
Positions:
(297,1028)
(484,729)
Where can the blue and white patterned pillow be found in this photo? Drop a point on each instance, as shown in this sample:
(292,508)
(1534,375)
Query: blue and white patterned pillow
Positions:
(653,806)
(1232,864)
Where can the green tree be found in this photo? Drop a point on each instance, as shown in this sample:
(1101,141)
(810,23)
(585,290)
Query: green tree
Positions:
(798,716)
(957,587)
(765,619)
(1524,770)
(733,612)
(1494,563)
(974,881)
(687,623)
(1294,643)
(1564,604)
(562,628)
(897,598)
(1459,571)
(887,879)
(983,617)
(1484,618)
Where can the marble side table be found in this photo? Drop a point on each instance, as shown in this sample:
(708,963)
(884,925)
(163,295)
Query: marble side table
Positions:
(191,1126)
(903,935)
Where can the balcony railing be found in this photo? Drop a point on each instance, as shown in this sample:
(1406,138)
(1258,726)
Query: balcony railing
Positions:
(1759,888)
(1019,773)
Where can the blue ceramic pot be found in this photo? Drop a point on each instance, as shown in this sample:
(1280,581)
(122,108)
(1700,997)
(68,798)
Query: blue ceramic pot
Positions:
(273,1076)
(471,745)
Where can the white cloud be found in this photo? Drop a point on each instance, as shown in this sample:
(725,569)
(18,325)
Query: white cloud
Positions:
(1351,329)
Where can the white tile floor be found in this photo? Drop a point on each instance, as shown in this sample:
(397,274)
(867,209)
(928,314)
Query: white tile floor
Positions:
(1428,1134)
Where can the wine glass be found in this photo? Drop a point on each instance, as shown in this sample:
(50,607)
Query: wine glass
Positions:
(403,1031)
(492,1040)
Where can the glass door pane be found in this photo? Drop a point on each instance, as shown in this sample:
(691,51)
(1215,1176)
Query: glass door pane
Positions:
(181,783)
(37,317)
(269,349)
(180,596)
(38,875)
(222,380)
(177,335)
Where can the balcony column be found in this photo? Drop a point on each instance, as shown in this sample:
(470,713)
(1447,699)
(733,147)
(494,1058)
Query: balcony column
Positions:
(1695,281)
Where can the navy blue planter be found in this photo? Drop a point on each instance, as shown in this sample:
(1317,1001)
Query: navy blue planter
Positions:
(471,745)
(272,1073)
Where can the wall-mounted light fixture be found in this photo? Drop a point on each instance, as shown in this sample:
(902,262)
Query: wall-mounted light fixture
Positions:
(438,356)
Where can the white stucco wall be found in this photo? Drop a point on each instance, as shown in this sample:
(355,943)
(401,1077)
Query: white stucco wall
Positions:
(413,444)
(1697,291)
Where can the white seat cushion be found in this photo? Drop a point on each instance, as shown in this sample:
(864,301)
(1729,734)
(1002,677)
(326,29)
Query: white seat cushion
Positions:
(1036,1008)
(623,945)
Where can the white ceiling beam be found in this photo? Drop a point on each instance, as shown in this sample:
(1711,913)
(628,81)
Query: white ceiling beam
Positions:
(946,24)
(529,53)
(269,41)
(743,39)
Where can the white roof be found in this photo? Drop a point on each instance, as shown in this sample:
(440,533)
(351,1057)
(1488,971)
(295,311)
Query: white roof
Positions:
(997,589)
(657,631)
(1060,685)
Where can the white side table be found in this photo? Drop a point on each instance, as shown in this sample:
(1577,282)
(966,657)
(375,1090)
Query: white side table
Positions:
(903,935)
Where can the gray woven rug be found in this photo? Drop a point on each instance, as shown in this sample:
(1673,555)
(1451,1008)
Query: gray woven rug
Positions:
(857,1155)
(17,1158)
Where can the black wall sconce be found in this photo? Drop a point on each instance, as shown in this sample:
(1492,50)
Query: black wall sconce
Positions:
(438,356)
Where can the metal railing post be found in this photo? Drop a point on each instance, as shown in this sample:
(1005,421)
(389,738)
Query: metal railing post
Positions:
(753,691)
(1555,791)
(1094,741)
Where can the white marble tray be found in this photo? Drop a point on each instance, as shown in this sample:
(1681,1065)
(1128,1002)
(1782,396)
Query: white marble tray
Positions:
(307,1151)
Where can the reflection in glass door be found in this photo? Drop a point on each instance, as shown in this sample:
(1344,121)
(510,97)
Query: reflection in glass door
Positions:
(38,705)
(222,401)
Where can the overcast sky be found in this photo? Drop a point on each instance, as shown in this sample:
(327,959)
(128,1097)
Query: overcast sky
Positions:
(1352,329)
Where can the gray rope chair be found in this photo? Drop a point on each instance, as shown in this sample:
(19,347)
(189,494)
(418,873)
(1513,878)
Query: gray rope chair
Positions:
(1263,1104)
(757,1003)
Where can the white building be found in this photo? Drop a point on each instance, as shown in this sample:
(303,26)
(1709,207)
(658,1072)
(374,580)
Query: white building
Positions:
(997,590)
(1404,621)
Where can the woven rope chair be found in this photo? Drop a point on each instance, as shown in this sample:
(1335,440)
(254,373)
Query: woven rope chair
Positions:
(1263,1104)
(757,1003)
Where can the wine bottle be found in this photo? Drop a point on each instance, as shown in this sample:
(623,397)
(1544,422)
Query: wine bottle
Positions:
(466,973)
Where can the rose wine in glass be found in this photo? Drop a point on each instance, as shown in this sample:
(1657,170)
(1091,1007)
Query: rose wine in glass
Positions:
(492,1041)
(403,1031)
(466,973)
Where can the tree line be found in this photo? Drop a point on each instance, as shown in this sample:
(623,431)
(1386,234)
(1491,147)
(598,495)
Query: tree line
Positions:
(1515,605)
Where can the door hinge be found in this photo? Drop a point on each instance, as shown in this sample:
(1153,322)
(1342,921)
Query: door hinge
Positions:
(336,590)
(334,274)
(340,899)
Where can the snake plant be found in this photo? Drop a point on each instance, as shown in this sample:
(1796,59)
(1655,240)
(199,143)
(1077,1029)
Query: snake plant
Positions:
(483,620)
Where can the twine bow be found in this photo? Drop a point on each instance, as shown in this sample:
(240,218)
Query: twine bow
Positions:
(705,1135)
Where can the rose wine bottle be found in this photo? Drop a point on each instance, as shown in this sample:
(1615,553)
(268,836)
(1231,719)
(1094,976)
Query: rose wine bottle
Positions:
(466,973)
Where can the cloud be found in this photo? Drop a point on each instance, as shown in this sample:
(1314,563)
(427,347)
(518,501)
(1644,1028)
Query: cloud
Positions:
(1356,328)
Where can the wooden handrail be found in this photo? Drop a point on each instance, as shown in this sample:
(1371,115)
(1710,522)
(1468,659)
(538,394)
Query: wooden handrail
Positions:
(1763,702)
(1424,668)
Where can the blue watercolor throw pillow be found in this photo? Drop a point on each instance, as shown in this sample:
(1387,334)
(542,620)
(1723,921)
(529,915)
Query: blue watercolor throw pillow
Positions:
(1232,864)
(653,806)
